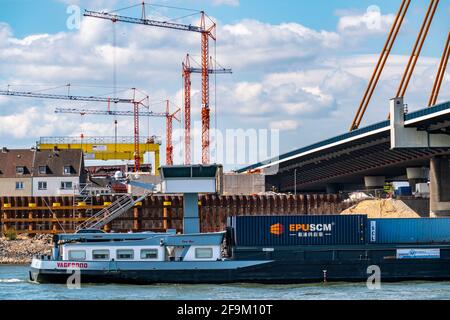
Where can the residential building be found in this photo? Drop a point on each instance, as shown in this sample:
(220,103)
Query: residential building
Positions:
(41,172)
(16,169)
(58,172)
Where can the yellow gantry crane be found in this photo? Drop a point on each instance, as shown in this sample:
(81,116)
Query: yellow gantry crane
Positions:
(105,148)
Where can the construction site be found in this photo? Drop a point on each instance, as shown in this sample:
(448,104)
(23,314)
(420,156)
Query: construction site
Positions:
(398,168)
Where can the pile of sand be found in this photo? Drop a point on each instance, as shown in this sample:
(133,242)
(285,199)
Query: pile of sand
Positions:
(386,208)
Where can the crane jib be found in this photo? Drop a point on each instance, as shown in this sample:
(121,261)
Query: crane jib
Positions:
(62,97)
(148,22)
(106,113)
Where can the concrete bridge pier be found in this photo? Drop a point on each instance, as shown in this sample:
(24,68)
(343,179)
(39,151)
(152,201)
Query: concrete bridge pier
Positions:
(440,187)
(417,175)
(375,182)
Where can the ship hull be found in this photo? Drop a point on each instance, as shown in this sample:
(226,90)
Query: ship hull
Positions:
(263,272)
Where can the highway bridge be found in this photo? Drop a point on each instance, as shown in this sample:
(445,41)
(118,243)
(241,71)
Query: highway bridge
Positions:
(404,148)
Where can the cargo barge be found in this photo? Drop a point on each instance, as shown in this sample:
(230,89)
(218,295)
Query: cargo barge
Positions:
(281,250)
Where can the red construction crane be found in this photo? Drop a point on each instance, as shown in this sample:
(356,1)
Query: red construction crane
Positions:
(169,141)
(187,71)
(440,75)
(206,31)
(136,105)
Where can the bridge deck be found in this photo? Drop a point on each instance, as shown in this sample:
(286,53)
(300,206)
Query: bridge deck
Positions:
(348,157)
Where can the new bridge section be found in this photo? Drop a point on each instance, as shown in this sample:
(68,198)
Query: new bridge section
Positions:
(399,149)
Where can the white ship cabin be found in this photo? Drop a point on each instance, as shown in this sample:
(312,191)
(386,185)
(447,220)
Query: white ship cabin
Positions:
(172,248)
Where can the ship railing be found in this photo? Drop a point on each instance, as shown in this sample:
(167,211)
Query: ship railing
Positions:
(108,214)
(117,205)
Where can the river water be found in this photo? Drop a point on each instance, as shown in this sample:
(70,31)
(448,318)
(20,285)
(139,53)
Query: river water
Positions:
(15,286)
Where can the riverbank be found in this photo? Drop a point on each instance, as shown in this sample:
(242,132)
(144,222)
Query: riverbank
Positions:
(22,250)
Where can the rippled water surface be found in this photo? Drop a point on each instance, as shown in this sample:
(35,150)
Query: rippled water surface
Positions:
(15,286)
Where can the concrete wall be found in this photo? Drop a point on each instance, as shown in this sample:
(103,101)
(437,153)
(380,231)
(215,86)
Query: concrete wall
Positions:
(420,206)
(440,186)
(54,186)
(232,184)
(8,187)
(243,184)
(403,137)
(214,211)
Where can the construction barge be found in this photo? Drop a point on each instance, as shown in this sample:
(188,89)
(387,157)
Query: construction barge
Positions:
(252,249)
(257,250)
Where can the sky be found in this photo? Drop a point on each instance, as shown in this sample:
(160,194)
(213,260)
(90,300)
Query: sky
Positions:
(300,67)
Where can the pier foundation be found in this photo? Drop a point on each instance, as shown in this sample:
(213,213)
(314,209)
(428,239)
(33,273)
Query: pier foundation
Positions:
(440,186)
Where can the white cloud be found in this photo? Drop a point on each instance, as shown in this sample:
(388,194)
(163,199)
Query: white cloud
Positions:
(31,123)
(249,43)
(284,125)
(245,92)
(5,34)
(27,41)
(283,74)
(362,24)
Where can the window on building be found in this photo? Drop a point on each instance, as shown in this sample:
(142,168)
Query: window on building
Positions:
(77,255)
(125,254)
(149,254)
(66,185)
(100,255)
(67,170)
(42,185)
(203,253)
(43,170)
(19,185)
(20,170)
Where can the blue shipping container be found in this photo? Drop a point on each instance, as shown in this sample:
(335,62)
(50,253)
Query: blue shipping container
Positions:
(408,231)
(404,192)
(298,230)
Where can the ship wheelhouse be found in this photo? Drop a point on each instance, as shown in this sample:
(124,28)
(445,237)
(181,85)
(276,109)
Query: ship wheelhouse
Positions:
(168,247)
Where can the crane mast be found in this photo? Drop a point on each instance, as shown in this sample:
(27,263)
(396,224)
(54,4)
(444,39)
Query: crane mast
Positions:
(187,71)
(187,109)
(169,125)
